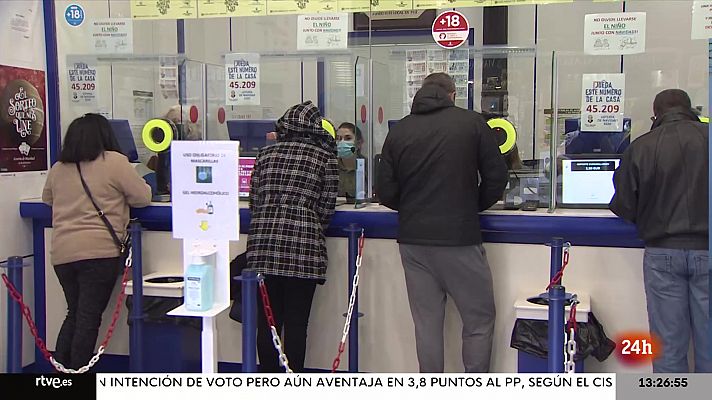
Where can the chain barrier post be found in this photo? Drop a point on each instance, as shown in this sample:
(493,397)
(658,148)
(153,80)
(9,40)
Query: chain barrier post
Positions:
(354,232)
(557,247)
(249,320)
(557,304)
(137,316)
(14,317)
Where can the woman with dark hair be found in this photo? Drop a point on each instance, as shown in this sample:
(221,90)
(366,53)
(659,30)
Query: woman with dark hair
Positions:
(349,141)
(292,198)
(84,252)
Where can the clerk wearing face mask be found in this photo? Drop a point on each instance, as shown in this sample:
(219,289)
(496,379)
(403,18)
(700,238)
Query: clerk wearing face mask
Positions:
(349,141)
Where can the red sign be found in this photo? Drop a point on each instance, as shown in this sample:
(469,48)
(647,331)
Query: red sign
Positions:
(450,29)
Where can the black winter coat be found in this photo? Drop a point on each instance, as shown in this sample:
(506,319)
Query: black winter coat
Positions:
(429,172)
(662,183)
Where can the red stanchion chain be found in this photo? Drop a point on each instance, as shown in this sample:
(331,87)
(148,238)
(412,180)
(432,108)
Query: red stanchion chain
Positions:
(269,315)
(352,301)
(557,278)
(17,297)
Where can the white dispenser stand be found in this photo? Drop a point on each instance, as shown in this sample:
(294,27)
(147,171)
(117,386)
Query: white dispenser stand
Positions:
(204,190)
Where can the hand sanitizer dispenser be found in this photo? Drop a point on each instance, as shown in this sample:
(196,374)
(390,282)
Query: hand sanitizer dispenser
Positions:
(199,277)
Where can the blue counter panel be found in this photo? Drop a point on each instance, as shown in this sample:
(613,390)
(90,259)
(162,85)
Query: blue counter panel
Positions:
(496,228)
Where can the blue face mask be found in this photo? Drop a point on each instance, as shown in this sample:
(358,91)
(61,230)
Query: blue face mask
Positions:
(346,149)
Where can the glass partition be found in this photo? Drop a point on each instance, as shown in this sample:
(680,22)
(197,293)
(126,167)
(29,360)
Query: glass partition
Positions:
(604,103)
(130,90)
(369,80)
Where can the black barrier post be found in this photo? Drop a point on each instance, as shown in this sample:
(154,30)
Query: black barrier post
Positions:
(249,320)
(136,316)
(557,304)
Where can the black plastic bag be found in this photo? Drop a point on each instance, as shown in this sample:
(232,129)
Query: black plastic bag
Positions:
(531,336)
(236,266)
(155,310)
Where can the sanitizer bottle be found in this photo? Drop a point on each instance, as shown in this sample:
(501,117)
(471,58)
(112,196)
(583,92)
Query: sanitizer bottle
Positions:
(198,294)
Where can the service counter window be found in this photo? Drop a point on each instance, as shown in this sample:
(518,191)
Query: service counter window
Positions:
(227,71)
(603,103)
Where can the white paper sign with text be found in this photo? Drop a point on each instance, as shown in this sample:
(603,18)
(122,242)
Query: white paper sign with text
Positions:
(242,79)
(602,101)
(322,31)
(615,33)
(204,190)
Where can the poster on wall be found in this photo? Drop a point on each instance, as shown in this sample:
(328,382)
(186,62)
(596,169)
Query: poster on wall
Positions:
(702,20)
(615,33)
(112,36)
(242,79)
(22,22)
(421,63)
(322,31)
(204,179)
(231,8)
(602,101)
(23,134)
(83,78)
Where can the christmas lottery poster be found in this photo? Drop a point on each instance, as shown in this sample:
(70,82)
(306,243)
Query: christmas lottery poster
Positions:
(23,134)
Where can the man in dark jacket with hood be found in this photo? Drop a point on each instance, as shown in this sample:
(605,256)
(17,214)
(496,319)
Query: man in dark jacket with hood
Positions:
(662,187)
(431,161)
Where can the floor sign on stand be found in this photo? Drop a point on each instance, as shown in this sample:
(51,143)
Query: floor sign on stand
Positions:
(204,180)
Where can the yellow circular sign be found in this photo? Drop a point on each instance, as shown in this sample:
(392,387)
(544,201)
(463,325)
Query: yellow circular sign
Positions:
(147,137)
(328,127)
(508,129)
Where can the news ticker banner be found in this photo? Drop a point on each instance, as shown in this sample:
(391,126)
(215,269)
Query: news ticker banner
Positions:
(360,386)
(186,9)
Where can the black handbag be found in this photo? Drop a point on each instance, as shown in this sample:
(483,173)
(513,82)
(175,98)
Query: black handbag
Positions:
(123,245)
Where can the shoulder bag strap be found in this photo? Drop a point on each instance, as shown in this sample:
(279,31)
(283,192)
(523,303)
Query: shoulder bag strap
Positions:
(100,213)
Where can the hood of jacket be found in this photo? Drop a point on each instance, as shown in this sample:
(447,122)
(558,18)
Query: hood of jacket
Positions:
(430,98)
(675,115)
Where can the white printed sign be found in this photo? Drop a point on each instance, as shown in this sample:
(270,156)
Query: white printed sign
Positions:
(112,35)
(615,34)
(242,79)
(204,190)
(322,32)
(602,100)
(83,78)
(702,20)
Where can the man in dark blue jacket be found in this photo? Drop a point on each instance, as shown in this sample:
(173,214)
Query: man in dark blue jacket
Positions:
(440,167)
(662,187)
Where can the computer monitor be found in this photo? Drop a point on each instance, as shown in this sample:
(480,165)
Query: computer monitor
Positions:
(252,134)
(245,167)
(123,134)
(578,142)
(587,180)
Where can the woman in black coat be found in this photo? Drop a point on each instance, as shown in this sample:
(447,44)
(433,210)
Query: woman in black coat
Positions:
(292,198)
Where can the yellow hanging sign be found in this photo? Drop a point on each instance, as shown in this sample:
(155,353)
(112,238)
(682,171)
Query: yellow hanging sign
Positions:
(391,5)
(231,8)
(352,6)
(438,4)
(282,7)
(164,9)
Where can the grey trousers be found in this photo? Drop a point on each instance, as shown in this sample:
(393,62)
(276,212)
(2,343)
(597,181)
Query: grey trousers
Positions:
(432,273)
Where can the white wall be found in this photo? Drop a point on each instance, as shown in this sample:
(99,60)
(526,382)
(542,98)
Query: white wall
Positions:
(612,278)
(16,234)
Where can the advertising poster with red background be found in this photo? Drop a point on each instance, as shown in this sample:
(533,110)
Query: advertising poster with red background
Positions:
(23,134)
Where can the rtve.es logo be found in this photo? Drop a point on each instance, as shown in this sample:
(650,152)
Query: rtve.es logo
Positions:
(53,382)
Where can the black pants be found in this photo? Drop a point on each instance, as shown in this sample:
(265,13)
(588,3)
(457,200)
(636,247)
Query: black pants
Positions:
(291,300)
(87,286)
